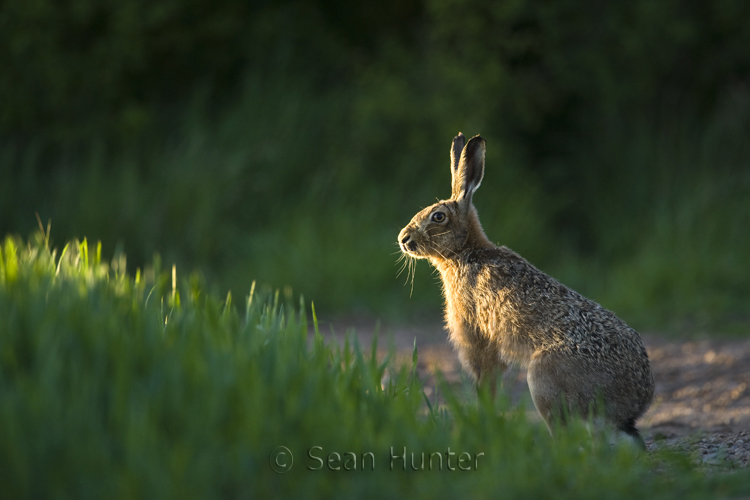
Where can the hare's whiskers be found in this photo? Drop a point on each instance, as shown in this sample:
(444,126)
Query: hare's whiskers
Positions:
(404,263)
(413,264)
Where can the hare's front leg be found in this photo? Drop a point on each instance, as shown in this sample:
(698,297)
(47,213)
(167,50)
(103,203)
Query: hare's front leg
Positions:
(482,361)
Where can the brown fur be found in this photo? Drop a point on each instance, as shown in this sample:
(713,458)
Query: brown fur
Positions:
(501,310)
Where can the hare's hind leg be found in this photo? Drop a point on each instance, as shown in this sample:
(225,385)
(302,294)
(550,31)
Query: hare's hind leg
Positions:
(557,390)
(562,387)
(547,396)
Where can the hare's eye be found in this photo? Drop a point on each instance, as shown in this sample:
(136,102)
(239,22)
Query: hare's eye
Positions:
(438,217)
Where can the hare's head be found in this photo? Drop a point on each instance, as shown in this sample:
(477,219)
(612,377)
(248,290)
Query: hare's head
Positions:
(440,232)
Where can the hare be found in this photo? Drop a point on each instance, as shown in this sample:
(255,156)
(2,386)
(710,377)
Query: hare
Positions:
(501,310)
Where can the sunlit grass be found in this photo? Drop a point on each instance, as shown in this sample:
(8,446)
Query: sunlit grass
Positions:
(154,388)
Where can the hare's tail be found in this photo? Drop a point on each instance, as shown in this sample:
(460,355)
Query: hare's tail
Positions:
(628,427)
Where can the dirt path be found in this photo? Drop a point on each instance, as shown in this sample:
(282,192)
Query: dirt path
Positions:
(702,402)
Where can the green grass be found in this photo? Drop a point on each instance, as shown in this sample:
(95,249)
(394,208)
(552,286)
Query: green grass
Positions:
(297,187)
(672,239)
(148,387)
(289,144)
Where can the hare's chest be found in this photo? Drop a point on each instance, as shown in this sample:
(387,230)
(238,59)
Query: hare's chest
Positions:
(480,310)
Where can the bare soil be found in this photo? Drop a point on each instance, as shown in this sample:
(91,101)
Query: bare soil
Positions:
(702,401)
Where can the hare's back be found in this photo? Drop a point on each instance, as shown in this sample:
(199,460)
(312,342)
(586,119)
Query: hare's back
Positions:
(549,312)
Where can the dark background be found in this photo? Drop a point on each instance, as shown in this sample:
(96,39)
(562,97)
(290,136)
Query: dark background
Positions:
(289,141)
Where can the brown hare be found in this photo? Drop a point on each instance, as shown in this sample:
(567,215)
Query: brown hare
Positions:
(501,310)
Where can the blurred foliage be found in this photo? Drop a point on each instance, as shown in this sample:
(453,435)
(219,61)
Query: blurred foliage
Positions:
(73,67)
(290,141)
(150,387)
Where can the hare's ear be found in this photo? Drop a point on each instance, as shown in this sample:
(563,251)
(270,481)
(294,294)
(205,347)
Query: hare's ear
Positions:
(468,171)
(458,145)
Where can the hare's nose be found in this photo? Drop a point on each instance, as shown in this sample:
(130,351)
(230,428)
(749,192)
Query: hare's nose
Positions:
(407,242)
